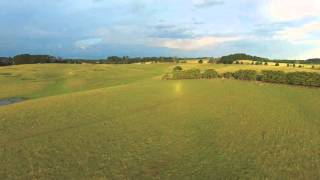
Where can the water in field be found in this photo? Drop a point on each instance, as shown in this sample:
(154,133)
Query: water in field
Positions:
(8,101)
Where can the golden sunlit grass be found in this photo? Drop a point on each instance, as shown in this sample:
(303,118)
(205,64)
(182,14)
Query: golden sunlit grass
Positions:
(120,122)
(221,68)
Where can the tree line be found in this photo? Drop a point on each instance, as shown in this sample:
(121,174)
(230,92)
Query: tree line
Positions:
(268,76)
(43,59)
(229,59)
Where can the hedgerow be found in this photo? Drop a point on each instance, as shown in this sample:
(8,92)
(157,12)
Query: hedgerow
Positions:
(269,76)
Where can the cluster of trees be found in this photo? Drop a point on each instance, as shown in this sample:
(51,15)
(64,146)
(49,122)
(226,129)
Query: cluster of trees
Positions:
(4,61)
(230,59)
(313,61)
(235,58)
(269,76)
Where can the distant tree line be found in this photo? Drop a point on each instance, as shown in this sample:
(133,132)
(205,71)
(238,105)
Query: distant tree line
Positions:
(230,59)
(5,61)
(268,76)
(236,58)
(313,61)
(42,59)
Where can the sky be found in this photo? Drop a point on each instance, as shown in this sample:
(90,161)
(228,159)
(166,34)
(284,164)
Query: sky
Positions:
(279,29)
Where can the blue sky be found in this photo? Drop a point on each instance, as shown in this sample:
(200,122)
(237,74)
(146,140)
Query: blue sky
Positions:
(100,28)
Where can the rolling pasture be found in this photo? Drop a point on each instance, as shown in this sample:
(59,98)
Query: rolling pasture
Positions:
(124,122)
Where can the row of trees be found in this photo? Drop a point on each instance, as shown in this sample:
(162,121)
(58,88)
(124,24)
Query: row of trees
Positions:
(269,76)
(313,61)
(230,59)
(41,59)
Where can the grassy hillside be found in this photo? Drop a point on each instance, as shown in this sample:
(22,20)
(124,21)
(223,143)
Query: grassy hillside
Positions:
(123,122)
(34,81)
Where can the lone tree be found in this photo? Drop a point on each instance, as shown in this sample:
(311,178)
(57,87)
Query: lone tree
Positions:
(200,61)
(277,64)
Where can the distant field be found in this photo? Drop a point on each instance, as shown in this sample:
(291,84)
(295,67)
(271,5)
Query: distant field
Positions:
(124,122)
(234,67)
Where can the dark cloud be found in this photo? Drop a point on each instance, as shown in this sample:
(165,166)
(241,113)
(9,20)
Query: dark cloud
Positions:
(171,32)
(208,3)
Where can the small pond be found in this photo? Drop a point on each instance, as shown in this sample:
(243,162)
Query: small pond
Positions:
(8,101)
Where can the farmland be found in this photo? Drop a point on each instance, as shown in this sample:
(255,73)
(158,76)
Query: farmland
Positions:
(124,122)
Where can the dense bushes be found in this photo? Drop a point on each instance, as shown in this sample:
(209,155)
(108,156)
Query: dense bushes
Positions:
(304,79)
(273,76)
(293,78)
(187,74)
(178,73)
(177,68)
(227,75)
(250,75)
(210,74)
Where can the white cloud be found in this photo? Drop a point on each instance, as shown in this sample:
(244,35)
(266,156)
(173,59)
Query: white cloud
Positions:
(192,44)
(87,43)
(289,10)
(300,34)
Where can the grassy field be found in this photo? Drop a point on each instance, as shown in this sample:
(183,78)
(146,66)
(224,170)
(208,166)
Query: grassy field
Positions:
(124,122)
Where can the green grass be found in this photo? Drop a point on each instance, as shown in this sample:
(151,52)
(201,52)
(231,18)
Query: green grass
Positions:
(123,122)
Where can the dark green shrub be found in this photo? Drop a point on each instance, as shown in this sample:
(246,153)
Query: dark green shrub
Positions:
(193,74)
(187,74)
(277,64)
(266,64)
(259,63)
(259,77)
(200,61)
(227,75)
(250,75)
(177,68)
(209,74)
(274,76)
